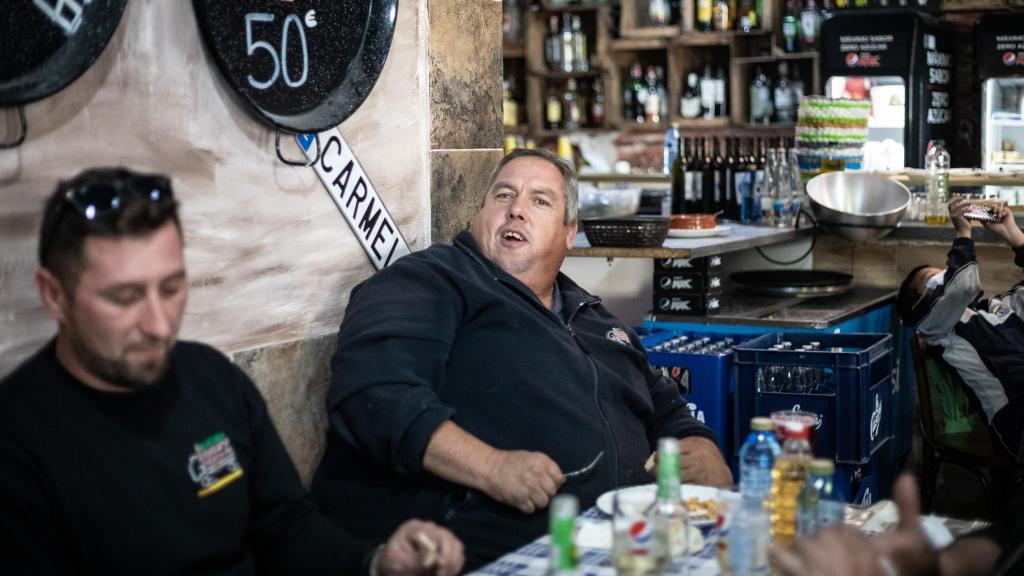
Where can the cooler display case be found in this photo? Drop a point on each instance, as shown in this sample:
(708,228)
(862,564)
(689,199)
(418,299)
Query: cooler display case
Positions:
(902,61)
(999,49)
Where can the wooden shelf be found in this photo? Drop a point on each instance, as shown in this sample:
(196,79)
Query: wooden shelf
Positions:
(565,6)
(545,133)
(778,57)
(628,126)
(701,123)
(650,32)
(633,44)
(517,130)
(513,50)
(564,75)
(720,38)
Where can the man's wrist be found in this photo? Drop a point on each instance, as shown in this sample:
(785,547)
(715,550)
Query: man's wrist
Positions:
(373,566)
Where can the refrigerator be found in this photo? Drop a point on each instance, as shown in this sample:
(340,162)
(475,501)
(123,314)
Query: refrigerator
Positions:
(999,50)
(902,61)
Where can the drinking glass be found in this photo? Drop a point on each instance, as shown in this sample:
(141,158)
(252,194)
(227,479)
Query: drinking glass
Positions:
(637,547)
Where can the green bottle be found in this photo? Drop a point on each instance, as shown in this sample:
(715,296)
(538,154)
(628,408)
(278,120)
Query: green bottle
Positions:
(670,511)
(562,523)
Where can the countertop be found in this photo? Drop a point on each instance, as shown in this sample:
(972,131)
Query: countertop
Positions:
(740,237)
(812,313)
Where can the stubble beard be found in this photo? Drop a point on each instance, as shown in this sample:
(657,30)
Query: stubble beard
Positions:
(120,372)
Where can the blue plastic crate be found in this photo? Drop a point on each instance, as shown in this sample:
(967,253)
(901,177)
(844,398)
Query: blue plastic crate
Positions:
(706,379)
(854,406)
(864,484)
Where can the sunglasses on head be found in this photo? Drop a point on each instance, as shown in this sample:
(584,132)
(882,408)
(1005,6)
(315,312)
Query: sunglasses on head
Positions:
(100,199)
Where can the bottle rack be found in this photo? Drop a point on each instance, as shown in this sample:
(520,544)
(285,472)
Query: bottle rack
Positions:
(679,48)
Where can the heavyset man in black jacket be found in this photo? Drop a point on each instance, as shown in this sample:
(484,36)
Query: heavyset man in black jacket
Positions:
(469,378)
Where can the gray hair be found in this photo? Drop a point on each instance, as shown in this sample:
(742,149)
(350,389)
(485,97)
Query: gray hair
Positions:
(570,184)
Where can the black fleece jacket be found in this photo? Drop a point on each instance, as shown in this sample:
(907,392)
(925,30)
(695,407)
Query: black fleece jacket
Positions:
(444,333)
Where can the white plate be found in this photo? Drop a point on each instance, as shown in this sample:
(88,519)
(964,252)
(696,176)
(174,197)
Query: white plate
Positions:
(604,501)
(720,230)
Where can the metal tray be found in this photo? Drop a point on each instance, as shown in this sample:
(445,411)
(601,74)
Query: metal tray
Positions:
(798,283)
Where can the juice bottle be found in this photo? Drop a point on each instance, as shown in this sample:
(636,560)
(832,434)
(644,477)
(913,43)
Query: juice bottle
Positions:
(788,476)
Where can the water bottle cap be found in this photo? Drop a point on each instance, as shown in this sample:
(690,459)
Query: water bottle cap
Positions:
(821,467)
(760,423)
(669,445)
(564,506)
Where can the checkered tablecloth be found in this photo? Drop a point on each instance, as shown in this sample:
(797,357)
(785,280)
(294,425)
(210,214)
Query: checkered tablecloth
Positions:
(532,559)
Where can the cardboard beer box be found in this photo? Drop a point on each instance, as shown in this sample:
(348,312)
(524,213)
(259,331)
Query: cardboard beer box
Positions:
(703,264)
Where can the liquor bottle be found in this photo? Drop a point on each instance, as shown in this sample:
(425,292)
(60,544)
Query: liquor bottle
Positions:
(704,12)
(561,525)
(689,104)
(568,45)
(707,94)
(785,104)
(553,45)
(662,92)
(788,476)
(790,27)
(819,505)
(670,513)
(597,104)
(695,173)
(652,104)
(720,15)
(761,187)
(511,20)
(748,18)
(840,4)
(658,13)
(570,106)
(809,19)
(743,178)
(732,160)
(708,175)
(509,105)
(553,109)
(679,179)
(721,108)
(639,92)
(582,62)
(761,108)
(937,164)
(798,86)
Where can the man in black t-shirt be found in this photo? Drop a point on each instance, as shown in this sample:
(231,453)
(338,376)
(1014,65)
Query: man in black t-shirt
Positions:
(124,451)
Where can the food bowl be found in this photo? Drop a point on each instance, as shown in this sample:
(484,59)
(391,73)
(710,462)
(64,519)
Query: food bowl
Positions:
(607,202)
(635,232)
(693,221)
(856,205)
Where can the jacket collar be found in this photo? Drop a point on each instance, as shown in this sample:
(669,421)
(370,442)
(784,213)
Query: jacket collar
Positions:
(573,296)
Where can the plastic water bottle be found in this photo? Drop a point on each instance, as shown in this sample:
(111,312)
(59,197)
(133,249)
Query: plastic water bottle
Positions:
(748,543)
(787,480)
(819,504)
(562,521)
(757,457)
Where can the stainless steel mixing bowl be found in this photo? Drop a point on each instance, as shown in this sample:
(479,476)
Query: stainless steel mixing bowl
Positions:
(857,205)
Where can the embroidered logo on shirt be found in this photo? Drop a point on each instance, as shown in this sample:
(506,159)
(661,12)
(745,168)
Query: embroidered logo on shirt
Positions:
(999,309)
(213,464)
(618,335)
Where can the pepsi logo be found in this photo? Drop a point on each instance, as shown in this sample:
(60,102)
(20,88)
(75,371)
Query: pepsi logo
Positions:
(852,59)
(1009,58)
(640,532)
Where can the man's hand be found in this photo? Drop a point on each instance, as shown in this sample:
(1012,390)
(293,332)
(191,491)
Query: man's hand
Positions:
(838,550)
(419,548)
(526,480)
(907,547)
(700,462)
(1007,227)
(956,216)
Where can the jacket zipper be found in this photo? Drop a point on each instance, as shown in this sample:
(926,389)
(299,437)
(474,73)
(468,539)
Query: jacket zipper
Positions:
(600,409)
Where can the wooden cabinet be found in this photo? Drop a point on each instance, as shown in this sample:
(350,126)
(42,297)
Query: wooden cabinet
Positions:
(677,49)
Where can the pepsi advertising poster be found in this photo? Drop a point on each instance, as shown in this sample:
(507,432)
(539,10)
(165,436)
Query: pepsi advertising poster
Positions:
(862,44)
(1000,44)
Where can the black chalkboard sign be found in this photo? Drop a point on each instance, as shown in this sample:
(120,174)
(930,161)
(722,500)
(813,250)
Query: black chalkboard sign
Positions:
(46,44)
(999,45)
(303,65)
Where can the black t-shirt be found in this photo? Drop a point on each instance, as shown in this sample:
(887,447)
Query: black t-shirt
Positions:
(186,477)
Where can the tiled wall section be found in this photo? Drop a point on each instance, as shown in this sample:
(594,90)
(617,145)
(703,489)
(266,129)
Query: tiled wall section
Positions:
(886,263)
(465,109)
(293,378)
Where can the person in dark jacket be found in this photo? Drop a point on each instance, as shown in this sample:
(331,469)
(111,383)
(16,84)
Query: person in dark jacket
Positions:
(982,340)
(126,451)
(470,378)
